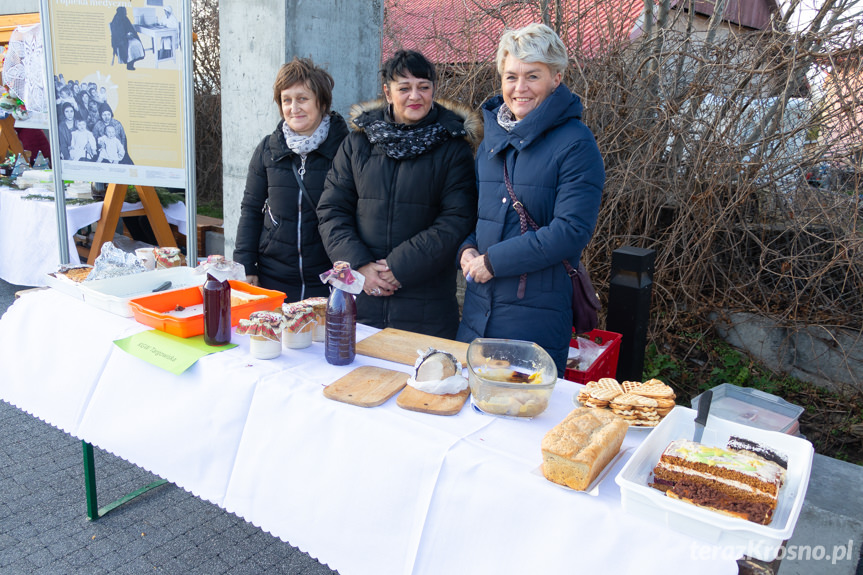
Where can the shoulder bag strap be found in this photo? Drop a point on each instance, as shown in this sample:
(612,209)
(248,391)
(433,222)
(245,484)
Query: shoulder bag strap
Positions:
(524,220)
(303,191)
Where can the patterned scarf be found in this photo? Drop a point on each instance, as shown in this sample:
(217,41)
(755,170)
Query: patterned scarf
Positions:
(302,145)
(402,142)
(505,118)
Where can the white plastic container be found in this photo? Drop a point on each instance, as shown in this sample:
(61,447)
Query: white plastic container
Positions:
(113,294)
(758,541)
(753,407)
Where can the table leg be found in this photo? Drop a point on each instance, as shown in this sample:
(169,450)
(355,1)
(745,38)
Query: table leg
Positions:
(90,482)
(112,210)
(94,512)
(156,215)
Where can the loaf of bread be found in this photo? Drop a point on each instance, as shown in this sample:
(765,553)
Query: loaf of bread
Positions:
(240,297)
(576,450)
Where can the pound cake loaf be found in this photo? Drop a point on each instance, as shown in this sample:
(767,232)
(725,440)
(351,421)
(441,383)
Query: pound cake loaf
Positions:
(732,483)
(577,449)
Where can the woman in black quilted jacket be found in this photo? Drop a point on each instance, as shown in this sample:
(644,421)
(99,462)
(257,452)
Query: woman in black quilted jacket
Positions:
(277,236)
(401,197)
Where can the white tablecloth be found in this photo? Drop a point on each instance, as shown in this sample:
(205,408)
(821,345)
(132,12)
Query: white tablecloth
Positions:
(28,233)
(366,491)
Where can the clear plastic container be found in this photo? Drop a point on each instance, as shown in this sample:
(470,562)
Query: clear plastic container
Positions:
(753,407)
(510,377)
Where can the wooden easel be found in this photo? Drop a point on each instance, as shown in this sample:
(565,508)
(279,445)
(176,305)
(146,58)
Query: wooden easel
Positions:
(9,141)
(112,209)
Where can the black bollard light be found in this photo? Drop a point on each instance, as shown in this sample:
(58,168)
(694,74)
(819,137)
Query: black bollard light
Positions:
(629,292)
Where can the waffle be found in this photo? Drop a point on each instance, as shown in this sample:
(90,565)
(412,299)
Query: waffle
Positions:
(641,404)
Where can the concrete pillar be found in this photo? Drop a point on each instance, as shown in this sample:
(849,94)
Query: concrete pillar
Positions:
(258,36)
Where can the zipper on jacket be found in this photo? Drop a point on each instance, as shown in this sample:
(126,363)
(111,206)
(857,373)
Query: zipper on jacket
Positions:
(267,210)
(386,302)
(302,172)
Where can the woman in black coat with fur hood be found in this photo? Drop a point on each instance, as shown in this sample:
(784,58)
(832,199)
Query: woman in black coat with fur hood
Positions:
(277,236)
(401,197)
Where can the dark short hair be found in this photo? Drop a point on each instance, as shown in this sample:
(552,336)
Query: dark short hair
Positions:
(304,71)
(406,62)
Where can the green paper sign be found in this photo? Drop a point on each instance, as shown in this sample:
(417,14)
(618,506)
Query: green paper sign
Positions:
(171,353)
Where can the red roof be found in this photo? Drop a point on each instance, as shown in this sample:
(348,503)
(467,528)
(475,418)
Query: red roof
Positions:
(750,13)
(458,31)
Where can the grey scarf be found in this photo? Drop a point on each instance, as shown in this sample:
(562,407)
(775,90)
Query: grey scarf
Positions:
(302,145)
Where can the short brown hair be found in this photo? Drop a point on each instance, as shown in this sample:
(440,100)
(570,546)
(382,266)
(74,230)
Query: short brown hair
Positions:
(304,71)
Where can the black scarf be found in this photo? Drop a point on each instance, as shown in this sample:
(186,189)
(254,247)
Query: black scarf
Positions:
(401,141)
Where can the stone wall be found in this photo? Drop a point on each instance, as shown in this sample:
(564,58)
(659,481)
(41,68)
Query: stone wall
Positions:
(831,358)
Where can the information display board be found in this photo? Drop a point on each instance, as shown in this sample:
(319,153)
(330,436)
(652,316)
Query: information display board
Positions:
(118,77)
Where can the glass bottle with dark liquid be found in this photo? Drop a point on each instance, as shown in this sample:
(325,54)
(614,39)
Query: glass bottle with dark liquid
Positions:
(217,311)
(341,339)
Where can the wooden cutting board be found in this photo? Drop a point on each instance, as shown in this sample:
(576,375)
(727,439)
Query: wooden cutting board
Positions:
(401,346)
(416,400)
(366,386)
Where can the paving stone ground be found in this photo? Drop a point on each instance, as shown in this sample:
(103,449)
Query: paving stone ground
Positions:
(44,529)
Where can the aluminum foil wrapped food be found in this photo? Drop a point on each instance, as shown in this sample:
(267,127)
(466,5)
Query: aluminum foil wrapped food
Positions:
(114,262)
(438,372)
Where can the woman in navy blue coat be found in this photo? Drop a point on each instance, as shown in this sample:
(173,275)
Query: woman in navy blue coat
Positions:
(517,285)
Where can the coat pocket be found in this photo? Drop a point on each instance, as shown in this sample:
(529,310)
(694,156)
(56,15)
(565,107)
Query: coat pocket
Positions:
(268,231)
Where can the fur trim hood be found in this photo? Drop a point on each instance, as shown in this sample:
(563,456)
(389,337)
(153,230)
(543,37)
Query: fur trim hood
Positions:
(466,120)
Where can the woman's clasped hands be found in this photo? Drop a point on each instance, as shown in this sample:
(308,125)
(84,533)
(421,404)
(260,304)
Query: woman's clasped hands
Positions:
(380,280)
(473,266)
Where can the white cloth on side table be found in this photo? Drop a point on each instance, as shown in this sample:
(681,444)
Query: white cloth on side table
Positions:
(28,233)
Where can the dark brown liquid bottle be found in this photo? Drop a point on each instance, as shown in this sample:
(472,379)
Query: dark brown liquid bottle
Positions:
(341,339)
(217,311)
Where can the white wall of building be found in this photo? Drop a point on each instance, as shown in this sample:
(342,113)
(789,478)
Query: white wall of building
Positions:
(18,6)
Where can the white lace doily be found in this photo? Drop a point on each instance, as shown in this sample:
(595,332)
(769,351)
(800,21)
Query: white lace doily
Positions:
(24,69)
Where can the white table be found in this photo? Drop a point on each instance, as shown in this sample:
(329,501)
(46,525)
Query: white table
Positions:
(28,233)
(366,491)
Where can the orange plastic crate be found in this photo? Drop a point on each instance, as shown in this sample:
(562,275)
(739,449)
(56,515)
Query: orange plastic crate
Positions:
(150,310)
(605,365)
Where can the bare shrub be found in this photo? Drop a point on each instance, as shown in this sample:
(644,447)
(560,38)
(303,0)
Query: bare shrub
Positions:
(208,103)
(708,131)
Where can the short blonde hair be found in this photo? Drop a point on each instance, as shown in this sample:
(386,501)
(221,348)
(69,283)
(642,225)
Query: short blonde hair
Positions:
(533,43)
